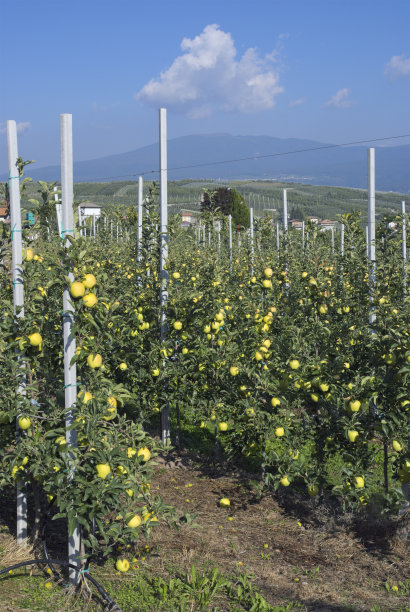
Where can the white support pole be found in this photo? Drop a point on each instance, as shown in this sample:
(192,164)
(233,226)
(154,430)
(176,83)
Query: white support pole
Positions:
(209,238)
(219,237)
(139,231)
(70,368)
(252,237)
(230,243)
(277,237)
(372,228)
(303,235)
(94,226)
(285,210)
(404,244)
(367,241)
(163,178)
(342,240)
(332,229)
(18,295)
(203,235)
(58,211)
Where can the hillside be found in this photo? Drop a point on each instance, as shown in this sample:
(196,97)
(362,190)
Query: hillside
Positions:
(199,156)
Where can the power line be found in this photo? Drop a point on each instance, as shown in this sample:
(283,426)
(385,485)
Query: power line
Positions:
(254,157)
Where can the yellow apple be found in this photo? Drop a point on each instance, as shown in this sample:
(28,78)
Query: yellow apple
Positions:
(103,469)
(122,565)
(24,422)
(90,300)
(94,361)
(35,339)
(77,289)
(89,281)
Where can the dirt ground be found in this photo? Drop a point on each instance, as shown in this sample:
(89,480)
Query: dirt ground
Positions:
(295,549)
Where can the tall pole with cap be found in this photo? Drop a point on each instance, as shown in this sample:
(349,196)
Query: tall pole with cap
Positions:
(18,295)
(70,367)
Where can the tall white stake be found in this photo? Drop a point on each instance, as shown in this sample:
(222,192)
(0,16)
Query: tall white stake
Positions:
(70,369)
(277,237)
(372,228)
(285,210)
(163,178)
(139,232)
(404,243)
(219,237)
(58,211)
(252,245)
(18,294)
(230,243)
(342,240)
(332,229)
(303,235)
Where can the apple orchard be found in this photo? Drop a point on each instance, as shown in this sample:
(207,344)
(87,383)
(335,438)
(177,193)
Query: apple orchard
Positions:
(269,360)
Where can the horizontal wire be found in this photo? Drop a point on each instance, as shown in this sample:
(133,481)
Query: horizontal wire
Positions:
(252,157)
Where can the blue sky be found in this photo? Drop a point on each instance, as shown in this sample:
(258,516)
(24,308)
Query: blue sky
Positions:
(327,70)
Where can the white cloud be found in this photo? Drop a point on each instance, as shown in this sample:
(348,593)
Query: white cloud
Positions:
(208,77)
(398,66)
(298,102)
(339,100)
(22,126)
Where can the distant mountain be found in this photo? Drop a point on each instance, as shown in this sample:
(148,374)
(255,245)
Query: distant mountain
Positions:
(197,156)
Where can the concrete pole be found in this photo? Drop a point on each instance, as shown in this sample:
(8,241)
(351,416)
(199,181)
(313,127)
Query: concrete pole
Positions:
(140,213)
(372,228)
(285,210)
(70,368)
(404,243)
(58,211)
(94,226)
(163,170)
(252,244)
(342,240)
(18,295)
(332,229)
(230,243)
(367,241)
(303,235)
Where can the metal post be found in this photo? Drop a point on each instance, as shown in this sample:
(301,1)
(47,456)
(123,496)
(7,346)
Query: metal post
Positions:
(285,210)
(342,240)
(367,241)
(252,245)
(277,237)
(58,211)
(303,235)
(372,228)
(18,294)
(332,229)
(230,243)
(94,226)
(165,416)
(404,243)
(70,367)
(139,231)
